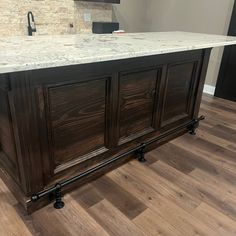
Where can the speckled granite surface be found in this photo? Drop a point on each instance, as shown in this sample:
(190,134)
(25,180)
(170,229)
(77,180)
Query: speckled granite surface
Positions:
(29,53)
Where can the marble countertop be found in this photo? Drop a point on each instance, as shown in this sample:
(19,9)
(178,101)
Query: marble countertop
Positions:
(29,53)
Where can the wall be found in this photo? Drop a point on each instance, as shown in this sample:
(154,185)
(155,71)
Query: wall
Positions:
(51,16)
(131,14)
(204,16)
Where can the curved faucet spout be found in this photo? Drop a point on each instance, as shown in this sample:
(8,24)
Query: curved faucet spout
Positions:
(31,22)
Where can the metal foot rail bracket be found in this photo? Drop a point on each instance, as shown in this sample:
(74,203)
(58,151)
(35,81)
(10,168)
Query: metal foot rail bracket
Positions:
(140,150)
(141,153)
(192,127)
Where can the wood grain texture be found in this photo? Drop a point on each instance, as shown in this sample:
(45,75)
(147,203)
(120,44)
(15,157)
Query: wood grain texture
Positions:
(8,157)
(183,189)
(180,89)
(78,119)
(137,89)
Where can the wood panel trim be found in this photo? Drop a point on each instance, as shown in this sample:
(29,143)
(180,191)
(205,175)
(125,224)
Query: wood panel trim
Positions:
(80,159)
(158,69)
(190,95)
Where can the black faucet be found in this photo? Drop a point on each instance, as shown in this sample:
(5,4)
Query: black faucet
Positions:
(31,28)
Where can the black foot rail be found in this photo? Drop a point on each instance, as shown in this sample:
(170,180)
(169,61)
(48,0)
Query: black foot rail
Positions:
(56,191)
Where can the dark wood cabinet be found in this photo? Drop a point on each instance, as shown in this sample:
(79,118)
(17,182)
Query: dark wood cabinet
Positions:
(59,122)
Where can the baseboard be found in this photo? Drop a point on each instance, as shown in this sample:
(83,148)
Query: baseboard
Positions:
(208,89)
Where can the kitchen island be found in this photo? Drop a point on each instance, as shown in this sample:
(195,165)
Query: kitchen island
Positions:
(73,107)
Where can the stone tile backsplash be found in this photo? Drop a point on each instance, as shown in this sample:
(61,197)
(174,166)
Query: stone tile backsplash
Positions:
(51,16)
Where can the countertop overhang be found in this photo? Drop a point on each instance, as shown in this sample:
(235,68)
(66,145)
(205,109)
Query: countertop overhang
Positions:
(25,53)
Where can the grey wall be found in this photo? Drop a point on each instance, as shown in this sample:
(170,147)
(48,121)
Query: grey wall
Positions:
(203,16)
(131,14)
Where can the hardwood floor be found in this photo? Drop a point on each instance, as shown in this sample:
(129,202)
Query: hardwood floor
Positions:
(187,187)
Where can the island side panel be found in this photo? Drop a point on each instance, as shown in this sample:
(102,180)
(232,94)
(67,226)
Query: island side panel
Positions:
(25,118)
(8,156)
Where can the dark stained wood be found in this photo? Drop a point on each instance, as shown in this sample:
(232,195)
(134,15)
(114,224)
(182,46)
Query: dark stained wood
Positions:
(137,89)
(8,157)
(78,116)
(178,201)
(179,92)
(63,121)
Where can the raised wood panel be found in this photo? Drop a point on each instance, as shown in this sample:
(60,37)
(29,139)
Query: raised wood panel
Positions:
(179,92)
(137,103)
(78,119)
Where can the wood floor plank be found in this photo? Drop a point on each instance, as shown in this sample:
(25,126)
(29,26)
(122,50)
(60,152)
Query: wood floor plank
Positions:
(218,117)
(79,221)
(173,158)
(224,132)
(87,196)
(180,219)
(205,133)
(211,150)
(159,185)
(215,181)
(212,120)
(113,221)
(47,222)
(71,220)
(198,160)
(204,160)
(10,222)
(219,101)
(154,225)
(216,220)
(127,203)
(219,105)
(228,116)
(195,188)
